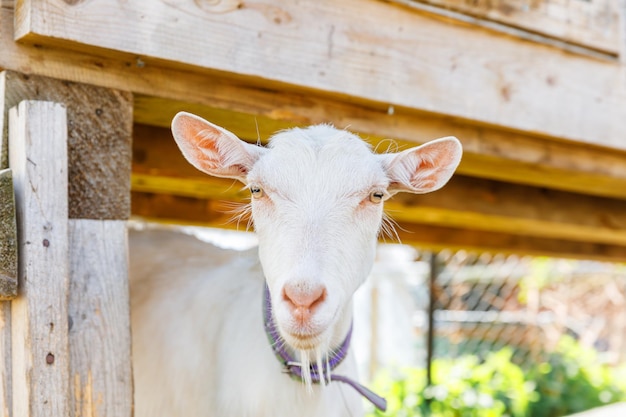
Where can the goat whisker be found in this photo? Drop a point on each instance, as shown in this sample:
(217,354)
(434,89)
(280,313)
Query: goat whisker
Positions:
(388,229)
(240,212)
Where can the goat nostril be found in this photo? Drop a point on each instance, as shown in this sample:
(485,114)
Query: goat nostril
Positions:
(306,300)
(319,300)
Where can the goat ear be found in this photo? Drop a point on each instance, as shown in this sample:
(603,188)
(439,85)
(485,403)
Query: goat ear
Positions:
(424,168)
(212,149)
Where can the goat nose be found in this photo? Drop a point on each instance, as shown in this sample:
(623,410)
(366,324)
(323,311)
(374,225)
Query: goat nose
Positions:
(302,302)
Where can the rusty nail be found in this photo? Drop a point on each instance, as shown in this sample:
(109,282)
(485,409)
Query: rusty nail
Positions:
(50,359)
(46,243)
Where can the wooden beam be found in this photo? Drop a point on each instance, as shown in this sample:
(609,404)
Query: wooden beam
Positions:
(464,203)
(591,24)
(393,57)
(39,319)
(501,154)
(452,238)
(488,153)
(492,206)
(168,208)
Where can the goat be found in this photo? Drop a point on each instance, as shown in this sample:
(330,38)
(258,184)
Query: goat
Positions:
(201,343)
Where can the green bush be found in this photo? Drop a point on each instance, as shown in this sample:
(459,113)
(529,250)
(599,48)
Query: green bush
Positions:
(570,380)
(573,380)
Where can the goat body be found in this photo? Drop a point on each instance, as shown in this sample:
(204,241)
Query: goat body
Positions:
(199,348)
(199,344)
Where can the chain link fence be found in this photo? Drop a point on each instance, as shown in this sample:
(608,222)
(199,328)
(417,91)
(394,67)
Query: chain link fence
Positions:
(483,302)
(455,303)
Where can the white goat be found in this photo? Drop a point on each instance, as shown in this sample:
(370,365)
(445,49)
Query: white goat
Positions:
(200,345)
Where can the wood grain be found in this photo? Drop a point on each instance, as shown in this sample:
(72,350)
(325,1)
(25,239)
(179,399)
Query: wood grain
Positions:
(99,123)
(239,105)
(412,60)
(6,393)
(492,206)
(8,237)
(39,323)
(436,237)
(5,306)
(100,367)
(594,23)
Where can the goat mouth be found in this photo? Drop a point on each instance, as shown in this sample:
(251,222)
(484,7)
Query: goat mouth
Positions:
(304,341)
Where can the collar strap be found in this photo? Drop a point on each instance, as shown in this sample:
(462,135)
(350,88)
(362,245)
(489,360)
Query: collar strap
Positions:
(294,368)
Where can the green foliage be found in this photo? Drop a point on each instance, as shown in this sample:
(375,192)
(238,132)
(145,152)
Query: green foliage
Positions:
(570,380)
(573,380)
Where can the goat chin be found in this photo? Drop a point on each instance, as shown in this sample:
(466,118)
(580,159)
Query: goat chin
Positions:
(199,347)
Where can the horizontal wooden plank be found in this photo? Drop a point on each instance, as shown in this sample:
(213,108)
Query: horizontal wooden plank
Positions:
(168,209)
(182,210)
(465,202)
(488,153)
(439,238)
(592,23)
(411,61)
(519,210)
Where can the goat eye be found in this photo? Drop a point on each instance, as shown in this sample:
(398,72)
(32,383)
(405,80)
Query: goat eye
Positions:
(377,196)
(256,192)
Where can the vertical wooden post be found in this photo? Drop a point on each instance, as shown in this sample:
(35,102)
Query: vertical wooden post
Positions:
(8,237)
(99,157)
(100,346)
(5,306)
(6,393)
(40,347)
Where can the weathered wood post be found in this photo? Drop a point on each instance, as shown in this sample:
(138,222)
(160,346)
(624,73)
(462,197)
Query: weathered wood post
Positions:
(98,380)
(8,273)
(39,330)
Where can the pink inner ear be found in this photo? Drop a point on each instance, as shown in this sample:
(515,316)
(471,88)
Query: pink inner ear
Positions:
(198,140)
(196,133)
(210,148)
(425,168)
(206,149)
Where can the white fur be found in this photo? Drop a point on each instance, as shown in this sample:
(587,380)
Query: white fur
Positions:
(199,348)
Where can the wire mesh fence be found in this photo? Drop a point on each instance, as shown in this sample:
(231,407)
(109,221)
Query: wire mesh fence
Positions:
(483,302)
(494,334)
(455,303)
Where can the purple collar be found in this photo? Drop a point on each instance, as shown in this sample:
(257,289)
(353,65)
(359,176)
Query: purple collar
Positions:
(294,368)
